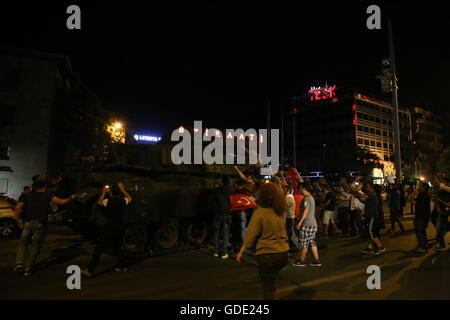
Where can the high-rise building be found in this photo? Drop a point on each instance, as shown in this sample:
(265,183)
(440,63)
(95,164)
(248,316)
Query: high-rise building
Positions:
(333,122)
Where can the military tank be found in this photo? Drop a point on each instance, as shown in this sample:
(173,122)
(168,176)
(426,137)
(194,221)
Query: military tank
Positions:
(170,207)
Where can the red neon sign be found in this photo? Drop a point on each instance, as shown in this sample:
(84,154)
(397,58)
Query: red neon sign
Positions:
(322,93)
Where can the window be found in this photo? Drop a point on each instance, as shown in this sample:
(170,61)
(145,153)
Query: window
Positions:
(366,142)
(379,144)
(379,132)
(383,121)
(378,120)
(4,154)
(372,143)
(391,146)
(360,141)
(385,133)
(372,130)
(360,128)
(366,129)
(390,134)
(385,145)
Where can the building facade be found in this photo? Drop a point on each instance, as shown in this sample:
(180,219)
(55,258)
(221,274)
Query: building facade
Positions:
(40,97)
(333,122)
(428,136)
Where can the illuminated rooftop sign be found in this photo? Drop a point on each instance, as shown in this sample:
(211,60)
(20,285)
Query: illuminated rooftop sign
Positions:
(322,93)
(138,137)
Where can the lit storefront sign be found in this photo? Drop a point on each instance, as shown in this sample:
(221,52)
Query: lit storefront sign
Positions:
(322,93)
(144,138)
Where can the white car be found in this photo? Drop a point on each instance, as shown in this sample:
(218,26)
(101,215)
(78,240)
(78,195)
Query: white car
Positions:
(10,226)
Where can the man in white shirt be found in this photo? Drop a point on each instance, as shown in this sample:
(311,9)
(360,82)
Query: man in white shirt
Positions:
(356,210)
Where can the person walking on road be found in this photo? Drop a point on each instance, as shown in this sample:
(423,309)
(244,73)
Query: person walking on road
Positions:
(308,229)
(113,233)
(422,216)
(395,205)
(267,231)
(371,221)
(34,208)
(220,202)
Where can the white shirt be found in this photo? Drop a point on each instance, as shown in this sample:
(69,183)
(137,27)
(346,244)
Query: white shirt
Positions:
(355,203)
(290,213)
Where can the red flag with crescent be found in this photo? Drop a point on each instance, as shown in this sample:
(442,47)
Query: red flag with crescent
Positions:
(241,202)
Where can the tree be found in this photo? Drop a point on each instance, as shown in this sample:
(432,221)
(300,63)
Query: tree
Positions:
(365,161)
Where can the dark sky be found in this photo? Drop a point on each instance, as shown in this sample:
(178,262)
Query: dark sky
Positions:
(166,64)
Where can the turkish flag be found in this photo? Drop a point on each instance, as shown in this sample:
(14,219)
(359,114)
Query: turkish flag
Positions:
(241,202)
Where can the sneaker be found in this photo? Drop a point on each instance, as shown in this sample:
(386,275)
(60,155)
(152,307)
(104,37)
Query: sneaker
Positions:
(420,250)
(299,263)
(216,255)
(27,272)
(225,256)
(391,230)
(368,250)
(316,263)
(379,251)
(18,269)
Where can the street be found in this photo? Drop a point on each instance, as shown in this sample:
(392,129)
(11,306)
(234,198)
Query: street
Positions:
(197,274)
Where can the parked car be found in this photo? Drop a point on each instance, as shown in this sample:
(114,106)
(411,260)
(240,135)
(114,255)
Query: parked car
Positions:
(10,226)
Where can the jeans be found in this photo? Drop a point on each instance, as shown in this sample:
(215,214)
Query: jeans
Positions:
(111,237)
(356,222)
(292,236)
(268,266)
(441,227)
(395,218)
(37,231)
(420,228)
(221,225)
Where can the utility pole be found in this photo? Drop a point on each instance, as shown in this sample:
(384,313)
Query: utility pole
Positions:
(397,150)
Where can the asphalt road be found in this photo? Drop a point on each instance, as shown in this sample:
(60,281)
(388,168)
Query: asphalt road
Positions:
(197,274)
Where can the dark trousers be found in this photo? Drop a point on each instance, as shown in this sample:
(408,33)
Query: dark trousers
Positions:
(110,238)
(236,229)
(441,227)
(356,222)
(344,219)
(268,266)
(293,240)
(221,227)
(395,218)
(420,229)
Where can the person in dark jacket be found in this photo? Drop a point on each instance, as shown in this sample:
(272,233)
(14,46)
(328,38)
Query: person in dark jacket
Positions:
(113,233)
(395,208)
(371,220)
(220,204)
(423,214)
(379,191)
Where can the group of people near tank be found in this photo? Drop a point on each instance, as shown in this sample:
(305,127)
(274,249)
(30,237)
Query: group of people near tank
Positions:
(292,212)
(34,207)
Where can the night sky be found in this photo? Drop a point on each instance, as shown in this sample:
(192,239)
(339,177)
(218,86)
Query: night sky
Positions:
(165,64)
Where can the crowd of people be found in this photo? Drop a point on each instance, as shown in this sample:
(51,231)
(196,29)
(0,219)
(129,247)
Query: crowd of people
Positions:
(291,212)
(276,218)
